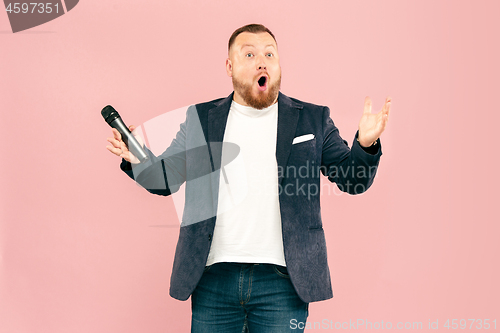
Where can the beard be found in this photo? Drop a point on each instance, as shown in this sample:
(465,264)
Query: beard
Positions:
(263,99)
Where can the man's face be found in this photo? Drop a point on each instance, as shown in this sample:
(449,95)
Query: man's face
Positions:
(254,67)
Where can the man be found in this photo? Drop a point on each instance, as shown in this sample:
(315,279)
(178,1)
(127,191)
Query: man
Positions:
(251,250)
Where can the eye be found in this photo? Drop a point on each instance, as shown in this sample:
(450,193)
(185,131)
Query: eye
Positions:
(248,55)
(269,54)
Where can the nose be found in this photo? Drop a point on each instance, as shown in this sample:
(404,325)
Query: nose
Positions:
(261,63)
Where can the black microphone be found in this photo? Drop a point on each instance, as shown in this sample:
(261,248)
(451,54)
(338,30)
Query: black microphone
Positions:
(114,120)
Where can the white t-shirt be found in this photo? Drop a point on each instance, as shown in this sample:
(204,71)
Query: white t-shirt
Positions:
(248,225)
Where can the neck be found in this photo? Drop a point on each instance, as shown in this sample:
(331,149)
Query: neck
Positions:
(238,99)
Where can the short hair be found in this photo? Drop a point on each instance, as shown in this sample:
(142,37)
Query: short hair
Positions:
(252,28)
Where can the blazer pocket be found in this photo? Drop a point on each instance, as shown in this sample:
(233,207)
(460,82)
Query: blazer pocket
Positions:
(302,138)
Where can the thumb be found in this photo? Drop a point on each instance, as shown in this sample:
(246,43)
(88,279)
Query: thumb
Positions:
(368,105)
(136,135)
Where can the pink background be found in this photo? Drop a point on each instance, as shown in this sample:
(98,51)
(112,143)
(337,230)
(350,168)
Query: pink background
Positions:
(83,249)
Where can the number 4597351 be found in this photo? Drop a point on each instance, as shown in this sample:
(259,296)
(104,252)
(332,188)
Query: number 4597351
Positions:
(40,8)
(462,324)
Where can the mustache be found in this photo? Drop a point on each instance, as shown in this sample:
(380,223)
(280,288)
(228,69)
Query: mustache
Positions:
(262,73)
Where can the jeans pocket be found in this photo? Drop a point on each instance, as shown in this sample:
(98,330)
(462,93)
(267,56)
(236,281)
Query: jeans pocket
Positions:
(281,271)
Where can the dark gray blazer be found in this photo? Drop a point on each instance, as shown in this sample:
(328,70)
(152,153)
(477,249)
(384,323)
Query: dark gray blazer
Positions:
(191,160)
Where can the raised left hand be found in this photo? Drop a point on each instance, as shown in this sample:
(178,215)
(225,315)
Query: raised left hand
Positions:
(371,124)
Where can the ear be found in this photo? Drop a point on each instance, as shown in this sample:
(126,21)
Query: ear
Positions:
(229,67)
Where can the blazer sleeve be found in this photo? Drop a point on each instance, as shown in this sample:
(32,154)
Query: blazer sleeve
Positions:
(162,175)
(352,169)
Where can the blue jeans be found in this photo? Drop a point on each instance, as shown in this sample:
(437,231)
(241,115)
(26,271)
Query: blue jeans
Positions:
(254,298)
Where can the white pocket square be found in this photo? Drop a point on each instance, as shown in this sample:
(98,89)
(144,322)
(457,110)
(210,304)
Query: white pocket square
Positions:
(302,138)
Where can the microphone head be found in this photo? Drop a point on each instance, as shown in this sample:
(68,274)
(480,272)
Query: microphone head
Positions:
(109,114)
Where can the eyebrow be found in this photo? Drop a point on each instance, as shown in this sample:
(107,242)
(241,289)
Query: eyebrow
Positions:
(250,45)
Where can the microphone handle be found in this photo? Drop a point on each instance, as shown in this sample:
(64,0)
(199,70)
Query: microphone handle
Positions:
(133,145)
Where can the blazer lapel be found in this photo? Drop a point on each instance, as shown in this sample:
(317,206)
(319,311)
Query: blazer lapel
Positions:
(217,120)
(288,117)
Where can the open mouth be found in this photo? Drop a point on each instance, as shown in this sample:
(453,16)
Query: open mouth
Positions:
(262,83)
